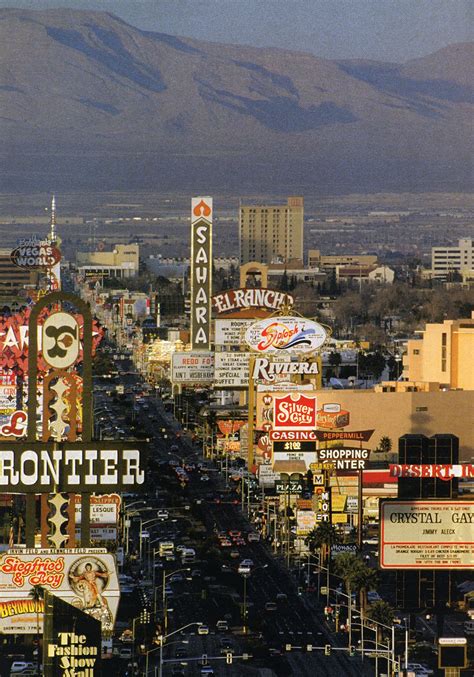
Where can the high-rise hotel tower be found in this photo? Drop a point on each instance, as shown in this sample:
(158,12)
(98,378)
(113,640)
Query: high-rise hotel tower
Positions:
(272,233)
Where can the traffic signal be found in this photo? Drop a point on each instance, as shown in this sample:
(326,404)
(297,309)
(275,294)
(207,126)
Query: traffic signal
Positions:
(352,651)
(204,659)
(309,647)
(327,649)
(287,647)
(228,658)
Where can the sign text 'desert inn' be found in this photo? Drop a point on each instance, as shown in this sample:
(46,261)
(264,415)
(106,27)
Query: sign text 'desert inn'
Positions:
(43,467)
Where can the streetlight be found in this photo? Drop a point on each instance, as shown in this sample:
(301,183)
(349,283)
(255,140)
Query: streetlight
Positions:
(162,639)
(163,599)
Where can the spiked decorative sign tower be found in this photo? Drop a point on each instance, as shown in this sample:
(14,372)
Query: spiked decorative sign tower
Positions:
(201,272)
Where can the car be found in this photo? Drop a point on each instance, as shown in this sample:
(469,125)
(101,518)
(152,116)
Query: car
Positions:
(225,543)
(244,569)
(226,569)
(222,626)
(247,562)
(234,554)
(270,606)
(253,537)
(226,647)
(420,669)
(203,630)
(281,597)
(162,514)
(18,666)
(234,533)
(207,670)
(176,578)
(125,652)
(373,596)
(204,478)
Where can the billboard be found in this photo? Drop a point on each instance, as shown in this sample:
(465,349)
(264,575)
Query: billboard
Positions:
(45,467)
(305,522)
(72,640)
(231,332)
(265,413)
(231,370)
(445,472)
(86,578)
(201,272)
(293,334)
(271,371)
(35,254)
(192,367)
(426,534)
(250,297)
(103,509)
(294,411)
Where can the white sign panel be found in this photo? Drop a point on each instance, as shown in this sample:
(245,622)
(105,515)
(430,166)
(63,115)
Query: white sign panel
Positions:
(192,367)
(305,522)
(86,578)
(231,332)
(306,456)
(427,534)
(293,334)
(266,476)
(60,340)
(103,510)
(231,370)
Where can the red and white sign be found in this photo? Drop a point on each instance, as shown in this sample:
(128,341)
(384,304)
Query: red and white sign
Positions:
(439,471)
(293,435)
(294,411)
(293,334)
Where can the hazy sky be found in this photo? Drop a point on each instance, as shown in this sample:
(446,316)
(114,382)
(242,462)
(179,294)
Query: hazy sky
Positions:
(392,30)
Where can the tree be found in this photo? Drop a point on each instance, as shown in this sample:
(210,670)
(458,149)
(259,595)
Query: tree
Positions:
(357,576)
(381,612)
(322,537)
(385,445)
(37,595)
(335,360)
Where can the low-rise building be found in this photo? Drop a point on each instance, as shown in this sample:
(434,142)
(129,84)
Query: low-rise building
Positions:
(444,354)
(122,261)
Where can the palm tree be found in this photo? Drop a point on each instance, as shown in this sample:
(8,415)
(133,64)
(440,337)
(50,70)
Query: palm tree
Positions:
(37,595)
(357,576)
(322,537)
(381,612)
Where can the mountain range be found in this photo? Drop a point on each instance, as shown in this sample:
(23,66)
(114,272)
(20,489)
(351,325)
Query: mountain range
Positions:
(90,102)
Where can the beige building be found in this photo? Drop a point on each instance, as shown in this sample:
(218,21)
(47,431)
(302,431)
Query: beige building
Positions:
(318,260)
(448,260)
(272,233)
(122,261)
(444,353)
(391,414)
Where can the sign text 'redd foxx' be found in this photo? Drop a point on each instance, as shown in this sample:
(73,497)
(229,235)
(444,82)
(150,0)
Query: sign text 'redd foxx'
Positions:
(39,467)
(201,271)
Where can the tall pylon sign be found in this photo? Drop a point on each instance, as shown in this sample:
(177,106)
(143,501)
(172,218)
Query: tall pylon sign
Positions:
(201,272)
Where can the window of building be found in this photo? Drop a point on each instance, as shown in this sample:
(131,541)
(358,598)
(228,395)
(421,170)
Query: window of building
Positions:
(421,408)
(444,344)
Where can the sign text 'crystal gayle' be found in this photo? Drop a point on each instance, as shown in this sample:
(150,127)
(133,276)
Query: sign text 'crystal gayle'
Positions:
(40,467)
(439,471)
(294,334)
(236,299)
(267,370)
(427,534)
(201,272)
(294,411)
